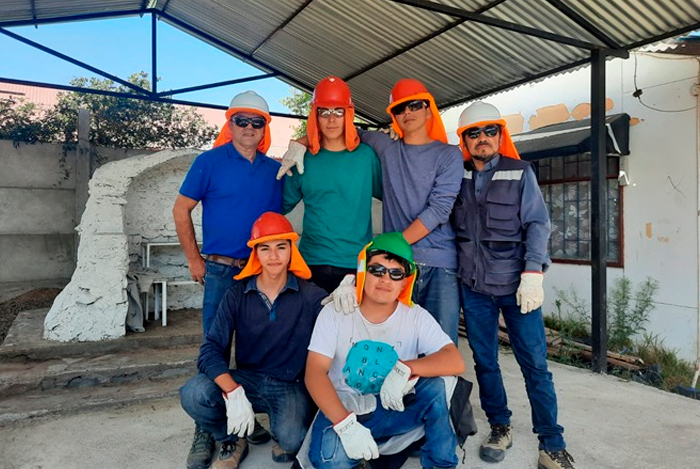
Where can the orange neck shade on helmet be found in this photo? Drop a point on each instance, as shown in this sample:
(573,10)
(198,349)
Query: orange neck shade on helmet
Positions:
(332,92)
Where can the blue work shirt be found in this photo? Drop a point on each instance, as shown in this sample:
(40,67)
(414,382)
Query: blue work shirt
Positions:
(420,182)
(271,338)
(234,192)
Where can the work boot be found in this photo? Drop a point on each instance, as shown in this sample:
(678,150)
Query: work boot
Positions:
(498,441)
(280,455)
(555,460)
(231,454)
(260,436)
(202,449)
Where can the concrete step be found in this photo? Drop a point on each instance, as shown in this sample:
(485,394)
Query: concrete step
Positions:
(102,370)
(75,400)
(25,340)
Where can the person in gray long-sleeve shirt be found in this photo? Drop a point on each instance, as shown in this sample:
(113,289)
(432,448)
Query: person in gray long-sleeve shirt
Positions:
(502,229)
(422,175)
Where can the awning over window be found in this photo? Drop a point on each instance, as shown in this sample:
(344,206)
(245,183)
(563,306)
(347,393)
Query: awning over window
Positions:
(571,138)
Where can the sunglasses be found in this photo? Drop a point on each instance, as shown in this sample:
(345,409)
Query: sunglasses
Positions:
(379,270)
(326,112)
(490,130)
(413,106)
(242,122)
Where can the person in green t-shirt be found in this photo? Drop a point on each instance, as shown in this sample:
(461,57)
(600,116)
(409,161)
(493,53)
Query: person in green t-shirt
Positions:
(340,176)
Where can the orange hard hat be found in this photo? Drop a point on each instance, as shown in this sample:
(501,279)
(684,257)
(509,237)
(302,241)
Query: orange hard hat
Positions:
(404,88)
(410,89)
(332,92)
(270,225)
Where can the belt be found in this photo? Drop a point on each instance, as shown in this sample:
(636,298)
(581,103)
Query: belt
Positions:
(232,261)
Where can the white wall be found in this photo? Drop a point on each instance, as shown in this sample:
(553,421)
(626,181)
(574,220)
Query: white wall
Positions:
(660,205)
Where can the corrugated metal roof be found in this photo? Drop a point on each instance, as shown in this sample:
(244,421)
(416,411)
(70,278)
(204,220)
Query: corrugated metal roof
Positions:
(461,49)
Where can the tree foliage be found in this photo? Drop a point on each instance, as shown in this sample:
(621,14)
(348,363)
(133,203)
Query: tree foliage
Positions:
(114,121)
(299,102)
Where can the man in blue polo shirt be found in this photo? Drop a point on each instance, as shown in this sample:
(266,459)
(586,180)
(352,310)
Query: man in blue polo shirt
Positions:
(235,182)
(272,311)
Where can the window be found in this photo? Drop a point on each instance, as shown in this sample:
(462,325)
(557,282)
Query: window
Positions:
(565,184)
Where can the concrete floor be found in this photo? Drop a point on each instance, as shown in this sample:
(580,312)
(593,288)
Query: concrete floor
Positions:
(609,424)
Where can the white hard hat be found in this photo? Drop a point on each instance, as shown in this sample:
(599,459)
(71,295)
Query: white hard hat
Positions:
(478,112)
(250,100)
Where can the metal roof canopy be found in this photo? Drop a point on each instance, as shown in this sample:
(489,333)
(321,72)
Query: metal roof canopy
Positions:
(461,50)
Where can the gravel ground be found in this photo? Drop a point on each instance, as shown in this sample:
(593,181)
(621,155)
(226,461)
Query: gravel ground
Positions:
(35,299)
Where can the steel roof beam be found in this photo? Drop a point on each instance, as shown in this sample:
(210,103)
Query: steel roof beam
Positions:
(215,85)
(281,26)
(507,25)
(417,43)
(67,19)
(90,68)
(33,4)
(116,94)
(584,23)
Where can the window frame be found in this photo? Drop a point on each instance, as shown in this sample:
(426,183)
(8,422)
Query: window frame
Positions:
(612,174)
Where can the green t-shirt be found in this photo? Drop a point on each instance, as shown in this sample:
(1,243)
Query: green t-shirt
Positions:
(337,188)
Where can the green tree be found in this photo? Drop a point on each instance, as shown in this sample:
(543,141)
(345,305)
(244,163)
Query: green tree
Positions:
(299,102)
(20,121)
(114,122)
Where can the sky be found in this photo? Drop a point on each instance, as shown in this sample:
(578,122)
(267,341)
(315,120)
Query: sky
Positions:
(122,47)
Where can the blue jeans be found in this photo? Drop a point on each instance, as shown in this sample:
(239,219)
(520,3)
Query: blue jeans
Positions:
(217,279)
(527,338)
(437,291)
(288,404)
(427,407)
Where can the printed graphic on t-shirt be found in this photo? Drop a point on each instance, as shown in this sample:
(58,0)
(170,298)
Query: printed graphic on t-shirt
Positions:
(367,365)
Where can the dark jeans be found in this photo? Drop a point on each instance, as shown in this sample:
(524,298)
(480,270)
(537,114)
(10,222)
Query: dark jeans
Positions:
(217,279)
(437,291)
(527,338)
(329,277)
(288,404)
(428,406)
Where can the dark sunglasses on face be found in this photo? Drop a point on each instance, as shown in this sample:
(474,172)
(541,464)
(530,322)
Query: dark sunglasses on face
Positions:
(242,122)
(490,130)
(325,112)
(379,270)
(413,106)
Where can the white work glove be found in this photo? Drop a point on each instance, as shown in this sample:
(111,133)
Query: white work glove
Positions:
(530,294)
(240,417)
(397,384)
(294,156)
(356,439)
(391,132)
(344,297)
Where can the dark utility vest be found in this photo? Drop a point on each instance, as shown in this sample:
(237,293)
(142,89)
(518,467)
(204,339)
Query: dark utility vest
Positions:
(489,233)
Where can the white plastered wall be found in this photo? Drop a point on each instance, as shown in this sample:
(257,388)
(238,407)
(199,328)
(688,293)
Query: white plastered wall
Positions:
(130,201)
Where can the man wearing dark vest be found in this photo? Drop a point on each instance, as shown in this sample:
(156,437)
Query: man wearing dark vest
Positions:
(502,230)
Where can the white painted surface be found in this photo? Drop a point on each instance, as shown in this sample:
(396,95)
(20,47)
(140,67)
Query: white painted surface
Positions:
(94,304)
(663,193)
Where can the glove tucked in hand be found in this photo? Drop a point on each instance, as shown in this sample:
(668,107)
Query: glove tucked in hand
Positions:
(344,297)
(397,384)
(530,294)
(240,417)
(391,133)
(294,156)
(356,439)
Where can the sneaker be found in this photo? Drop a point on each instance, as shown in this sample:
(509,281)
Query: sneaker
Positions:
(202,449)
(280,455)
(260,436)
(231,454)
(555,460)
(498,441)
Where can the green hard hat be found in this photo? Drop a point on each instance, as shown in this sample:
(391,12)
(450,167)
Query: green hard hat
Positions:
(393,243)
